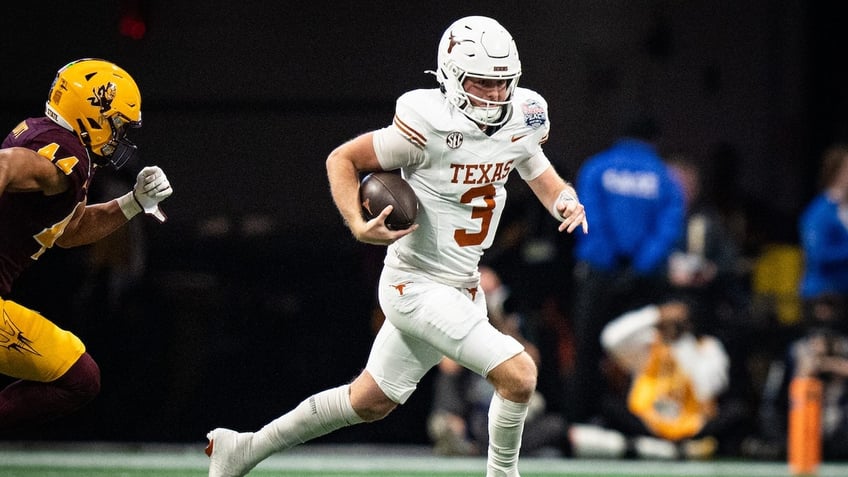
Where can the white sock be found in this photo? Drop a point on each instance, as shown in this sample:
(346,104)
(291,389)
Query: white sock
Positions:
(506,424)
(316,416)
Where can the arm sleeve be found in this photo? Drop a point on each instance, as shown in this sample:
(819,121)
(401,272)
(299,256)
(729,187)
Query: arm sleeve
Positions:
(538,161)
(534,166)
(402,143)
(394,150)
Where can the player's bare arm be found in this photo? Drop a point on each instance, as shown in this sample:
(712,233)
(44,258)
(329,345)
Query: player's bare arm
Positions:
(91,223)
(24,170)
(343,167)
(560,198)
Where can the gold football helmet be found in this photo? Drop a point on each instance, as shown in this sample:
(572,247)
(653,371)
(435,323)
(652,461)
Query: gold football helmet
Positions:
(98,101)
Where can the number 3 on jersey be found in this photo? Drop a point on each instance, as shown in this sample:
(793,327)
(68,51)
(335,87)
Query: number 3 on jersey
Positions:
(462,236)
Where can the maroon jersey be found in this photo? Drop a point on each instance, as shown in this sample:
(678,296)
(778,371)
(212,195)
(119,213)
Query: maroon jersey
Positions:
(31,222)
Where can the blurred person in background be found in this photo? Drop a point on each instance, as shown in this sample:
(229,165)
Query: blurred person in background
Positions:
(670,406)
(821,352)
(821,345)
(824,230)
(704,264)
(46,168)
(707,269)
(637,214)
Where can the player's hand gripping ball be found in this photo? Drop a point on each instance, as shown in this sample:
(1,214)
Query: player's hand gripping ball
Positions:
(380,189)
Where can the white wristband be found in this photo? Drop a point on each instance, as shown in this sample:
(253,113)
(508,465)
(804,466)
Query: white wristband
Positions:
(564,196)
(129,206)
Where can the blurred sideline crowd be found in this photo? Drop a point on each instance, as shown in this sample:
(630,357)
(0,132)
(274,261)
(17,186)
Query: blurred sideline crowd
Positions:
(673,329)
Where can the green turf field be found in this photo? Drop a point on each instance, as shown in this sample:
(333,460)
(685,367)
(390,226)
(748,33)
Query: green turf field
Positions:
(149,460)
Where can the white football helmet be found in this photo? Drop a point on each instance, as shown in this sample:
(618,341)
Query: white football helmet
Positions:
(478,47)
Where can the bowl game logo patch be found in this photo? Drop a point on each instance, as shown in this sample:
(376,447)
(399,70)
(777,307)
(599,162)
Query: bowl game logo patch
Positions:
(534,114)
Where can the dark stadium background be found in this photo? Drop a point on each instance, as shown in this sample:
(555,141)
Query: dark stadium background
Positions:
(254,295)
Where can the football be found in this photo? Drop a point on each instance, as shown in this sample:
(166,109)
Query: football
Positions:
(379,189)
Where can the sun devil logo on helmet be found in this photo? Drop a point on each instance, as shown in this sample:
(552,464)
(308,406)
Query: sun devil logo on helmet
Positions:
(534,114)
(103,96)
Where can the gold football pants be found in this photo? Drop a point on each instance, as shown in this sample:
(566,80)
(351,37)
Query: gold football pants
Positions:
(32,347)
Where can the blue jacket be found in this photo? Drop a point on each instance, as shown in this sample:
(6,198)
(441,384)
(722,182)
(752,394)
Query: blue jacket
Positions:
(634,207)
(824,240)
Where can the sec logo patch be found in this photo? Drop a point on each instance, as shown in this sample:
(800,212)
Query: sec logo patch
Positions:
(454,140)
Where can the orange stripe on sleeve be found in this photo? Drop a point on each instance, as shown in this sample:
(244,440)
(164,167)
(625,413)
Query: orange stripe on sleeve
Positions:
(411,134)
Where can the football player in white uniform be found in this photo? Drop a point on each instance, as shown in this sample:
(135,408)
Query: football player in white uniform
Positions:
(456,145)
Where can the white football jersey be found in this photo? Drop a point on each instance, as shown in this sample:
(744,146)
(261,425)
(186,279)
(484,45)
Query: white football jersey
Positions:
(459,174)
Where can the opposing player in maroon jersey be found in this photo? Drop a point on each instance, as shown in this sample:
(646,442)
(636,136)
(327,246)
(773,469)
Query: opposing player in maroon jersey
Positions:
(46,167)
